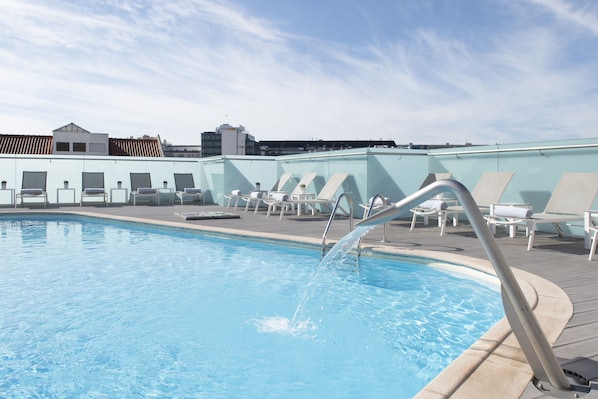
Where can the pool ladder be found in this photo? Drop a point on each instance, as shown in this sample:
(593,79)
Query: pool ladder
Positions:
(366,214)
(549,377)
(331,218)
(369,209)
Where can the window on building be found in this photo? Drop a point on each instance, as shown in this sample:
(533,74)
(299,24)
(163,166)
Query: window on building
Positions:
(96,147)
(79,147)
(63,146)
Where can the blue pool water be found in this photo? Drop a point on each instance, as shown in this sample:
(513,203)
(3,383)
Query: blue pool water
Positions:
(113,310)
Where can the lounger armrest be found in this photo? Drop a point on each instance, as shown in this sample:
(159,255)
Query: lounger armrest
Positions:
(592,213)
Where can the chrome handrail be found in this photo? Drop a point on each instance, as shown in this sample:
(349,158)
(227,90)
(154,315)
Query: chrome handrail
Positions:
(366,215)
(524,324)
(368,212)
(336,206)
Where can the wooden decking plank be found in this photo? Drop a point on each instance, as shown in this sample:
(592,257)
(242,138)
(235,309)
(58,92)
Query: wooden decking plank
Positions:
(584,318)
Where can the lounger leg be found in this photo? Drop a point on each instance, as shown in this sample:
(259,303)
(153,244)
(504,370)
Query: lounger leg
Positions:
(512,229)
(444,218)
(593,247)
(257,205)
(413,222)
(442,221)
(281,212)
(560,231)
(530,242)
(492,226)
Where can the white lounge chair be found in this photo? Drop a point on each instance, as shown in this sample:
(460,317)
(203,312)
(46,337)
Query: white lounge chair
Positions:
(33,186)
(256,197)
(487,191)
(435,207)
(273,199)
(141,186)
(572,197)
(92,186)
(325,197)
(185,188)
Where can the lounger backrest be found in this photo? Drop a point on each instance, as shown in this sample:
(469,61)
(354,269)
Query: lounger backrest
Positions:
(432,177)
(183,181)
(34,180)
(491,187)
(140,180)
(331,187)
(282,181)
(306,179)
(574,193)
(92,180)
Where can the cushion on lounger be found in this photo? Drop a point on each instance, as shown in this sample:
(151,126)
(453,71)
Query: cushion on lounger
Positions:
(32,191)
(191,190)
(146,190)
(434,204)
(256,194)
(236,192)
(513,212)
(280,196)
(379,201)
(94,191)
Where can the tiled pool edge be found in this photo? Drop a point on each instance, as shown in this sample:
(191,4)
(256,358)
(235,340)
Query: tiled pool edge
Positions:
(494,365)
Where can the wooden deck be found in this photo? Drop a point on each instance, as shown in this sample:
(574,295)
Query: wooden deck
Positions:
(563,261)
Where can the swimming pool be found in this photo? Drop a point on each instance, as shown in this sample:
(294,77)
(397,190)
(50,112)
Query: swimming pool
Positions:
(111,309)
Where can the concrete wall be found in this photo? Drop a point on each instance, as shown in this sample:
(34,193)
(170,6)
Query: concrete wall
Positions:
(392,173)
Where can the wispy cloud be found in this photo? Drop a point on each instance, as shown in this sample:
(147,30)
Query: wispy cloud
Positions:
(571,12)
(178,68)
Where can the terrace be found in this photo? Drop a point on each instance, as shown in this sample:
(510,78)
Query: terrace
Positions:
(394,173)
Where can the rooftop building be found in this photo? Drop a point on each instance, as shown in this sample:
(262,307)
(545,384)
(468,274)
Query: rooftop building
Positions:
(74,140)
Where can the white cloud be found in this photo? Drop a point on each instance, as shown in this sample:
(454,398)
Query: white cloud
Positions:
(177,68)
(567,11)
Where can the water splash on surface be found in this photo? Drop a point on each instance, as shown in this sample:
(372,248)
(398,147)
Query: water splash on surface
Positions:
(299,323)
(282,325)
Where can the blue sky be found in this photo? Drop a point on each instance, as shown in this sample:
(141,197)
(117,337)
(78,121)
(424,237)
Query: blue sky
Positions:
(483,71)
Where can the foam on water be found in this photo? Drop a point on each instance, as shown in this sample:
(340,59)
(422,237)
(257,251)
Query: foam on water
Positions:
(282,325)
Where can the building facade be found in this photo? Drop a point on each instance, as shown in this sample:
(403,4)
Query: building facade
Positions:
(228,140)
(74,140)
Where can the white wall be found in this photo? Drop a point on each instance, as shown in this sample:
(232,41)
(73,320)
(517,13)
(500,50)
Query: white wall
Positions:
(70,167)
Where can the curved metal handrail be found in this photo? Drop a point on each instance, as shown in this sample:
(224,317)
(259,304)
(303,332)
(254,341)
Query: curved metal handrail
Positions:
(523,322)
(331,218)
(368,212)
